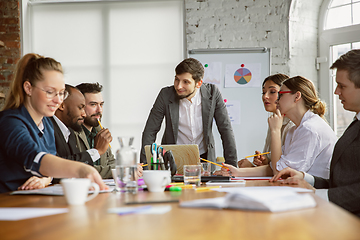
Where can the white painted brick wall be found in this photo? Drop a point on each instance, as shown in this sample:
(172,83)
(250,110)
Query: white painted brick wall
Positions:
(259,23)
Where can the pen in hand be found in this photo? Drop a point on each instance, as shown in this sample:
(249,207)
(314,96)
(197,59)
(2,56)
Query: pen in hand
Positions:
(255,155)
(102,128)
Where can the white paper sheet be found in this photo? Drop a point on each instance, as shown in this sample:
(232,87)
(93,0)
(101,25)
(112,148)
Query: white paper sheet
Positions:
(264,191)
(55,190)
(250,178)
(15,214)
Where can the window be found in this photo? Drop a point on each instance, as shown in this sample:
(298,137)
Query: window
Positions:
(130,47)
(339,32)
(343,13)
(343,117)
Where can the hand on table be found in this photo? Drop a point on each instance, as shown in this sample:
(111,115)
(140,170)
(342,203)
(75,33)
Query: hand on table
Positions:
(87,171)
(292,177)
(287,173)
(35,183)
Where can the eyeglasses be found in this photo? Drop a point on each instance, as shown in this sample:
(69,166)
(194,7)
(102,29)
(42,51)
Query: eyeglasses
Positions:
(280,93)
(50,94)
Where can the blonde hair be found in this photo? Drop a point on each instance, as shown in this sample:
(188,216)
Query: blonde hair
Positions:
(29,68)
(308,94)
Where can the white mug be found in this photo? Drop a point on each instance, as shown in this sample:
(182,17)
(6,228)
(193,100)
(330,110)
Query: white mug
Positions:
(76,190)
(156,180)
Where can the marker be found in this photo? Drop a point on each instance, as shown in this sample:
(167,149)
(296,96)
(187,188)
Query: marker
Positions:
(102,128)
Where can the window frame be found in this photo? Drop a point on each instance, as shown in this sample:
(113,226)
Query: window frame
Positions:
(328,38)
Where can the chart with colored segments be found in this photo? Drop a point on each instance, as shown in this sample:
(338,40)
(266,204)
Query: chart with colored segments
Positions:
(242,76)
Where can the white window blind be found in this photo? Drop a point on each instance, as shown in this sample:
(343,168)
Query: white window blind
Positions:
(130,47)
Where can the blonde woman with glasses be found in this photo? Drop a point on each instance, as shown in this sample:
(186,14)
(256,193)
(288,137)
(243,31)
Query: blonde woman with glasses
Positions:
(27,142)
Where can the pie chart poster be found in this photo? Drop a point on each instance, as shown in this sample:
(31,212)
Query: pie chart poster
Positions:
(242,75)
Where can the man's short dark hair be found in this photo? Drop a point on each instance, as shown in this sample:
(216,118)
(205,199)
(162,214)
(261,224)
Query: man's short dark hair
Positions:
(69,88)
(350,62)
(89,87)
(192,66)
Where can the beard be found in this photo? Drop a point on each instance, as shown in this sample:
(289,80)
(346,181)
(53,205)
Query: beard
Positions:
(184,96)
(93,122)
(75,125)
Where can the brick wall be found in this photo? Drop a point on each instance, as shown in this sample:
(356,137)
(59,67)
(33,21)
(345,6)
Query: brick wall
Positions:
(10,36)
(288,27)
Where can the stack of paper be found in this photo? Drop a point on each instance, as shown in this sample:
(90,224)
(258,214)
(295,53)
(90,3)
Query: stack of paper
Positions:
(273,199)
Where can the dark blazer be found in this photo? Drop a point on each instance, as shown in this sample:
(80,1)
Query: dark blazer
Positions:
(213,107)
(344,182)
(69,150)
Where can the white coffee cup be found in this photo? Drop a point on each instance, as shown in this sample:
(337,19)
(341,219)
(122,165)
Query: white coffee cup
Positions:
(76,190)
(156,180)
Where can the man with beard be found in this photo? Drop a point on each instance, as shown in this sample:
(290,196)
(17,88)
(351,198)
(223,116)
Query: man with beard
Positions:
(189,107)
(90,135)
(69,117)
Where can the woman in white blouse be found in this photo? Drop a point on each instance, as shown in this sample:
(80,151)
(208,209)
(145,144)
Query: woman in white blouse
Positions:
(309,144)
(270,88)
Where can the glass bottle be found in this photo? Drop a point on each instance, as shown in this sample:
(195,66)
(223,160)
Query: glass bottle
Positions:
(126,167)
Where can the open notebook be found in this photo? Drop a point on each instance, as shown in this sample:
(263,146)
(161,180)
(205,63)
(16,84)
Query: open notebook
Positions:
(187,154)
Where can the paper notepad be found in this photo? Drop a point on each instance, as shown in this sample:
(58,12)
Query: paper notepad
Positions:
(273,199)
(15,214)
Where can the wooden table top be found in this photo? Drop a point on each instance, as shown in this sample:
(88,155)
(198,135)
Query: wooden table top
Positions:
(92,221)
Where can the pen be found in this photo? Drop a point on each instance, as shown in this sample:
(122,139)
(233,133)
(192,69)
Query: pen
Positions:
(214,163)
(205,189)
(255,155)
(102,128)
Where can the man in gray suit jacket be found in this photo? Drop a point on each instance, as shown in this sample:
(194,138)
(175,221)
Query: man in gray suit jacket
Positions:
(343,186)
(189,107)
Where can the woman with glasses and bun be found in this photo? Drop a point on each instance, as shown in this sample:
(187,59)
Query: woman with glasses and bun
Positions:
(27,142)
(309,144)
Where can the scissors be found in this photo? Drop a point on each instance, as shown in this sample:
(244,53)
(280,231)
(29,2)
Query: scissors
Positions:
(157,153)
(160,152)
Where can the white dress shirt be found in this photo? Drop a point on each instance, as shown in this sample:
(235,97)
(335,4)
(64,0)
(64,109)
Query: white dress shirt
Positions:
(94,153)
(190,122)
(323,193)
(309,147)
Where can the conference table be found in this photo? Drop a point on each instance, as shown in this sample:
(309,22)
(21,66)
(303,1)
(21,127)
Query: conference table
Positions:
(92,220)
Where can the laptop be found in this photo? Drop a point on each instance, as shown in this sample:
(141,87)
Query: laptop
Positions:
(186,154)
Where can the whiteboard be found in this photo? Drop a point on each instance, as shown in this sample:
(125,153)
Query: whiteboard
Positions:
(244,103)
